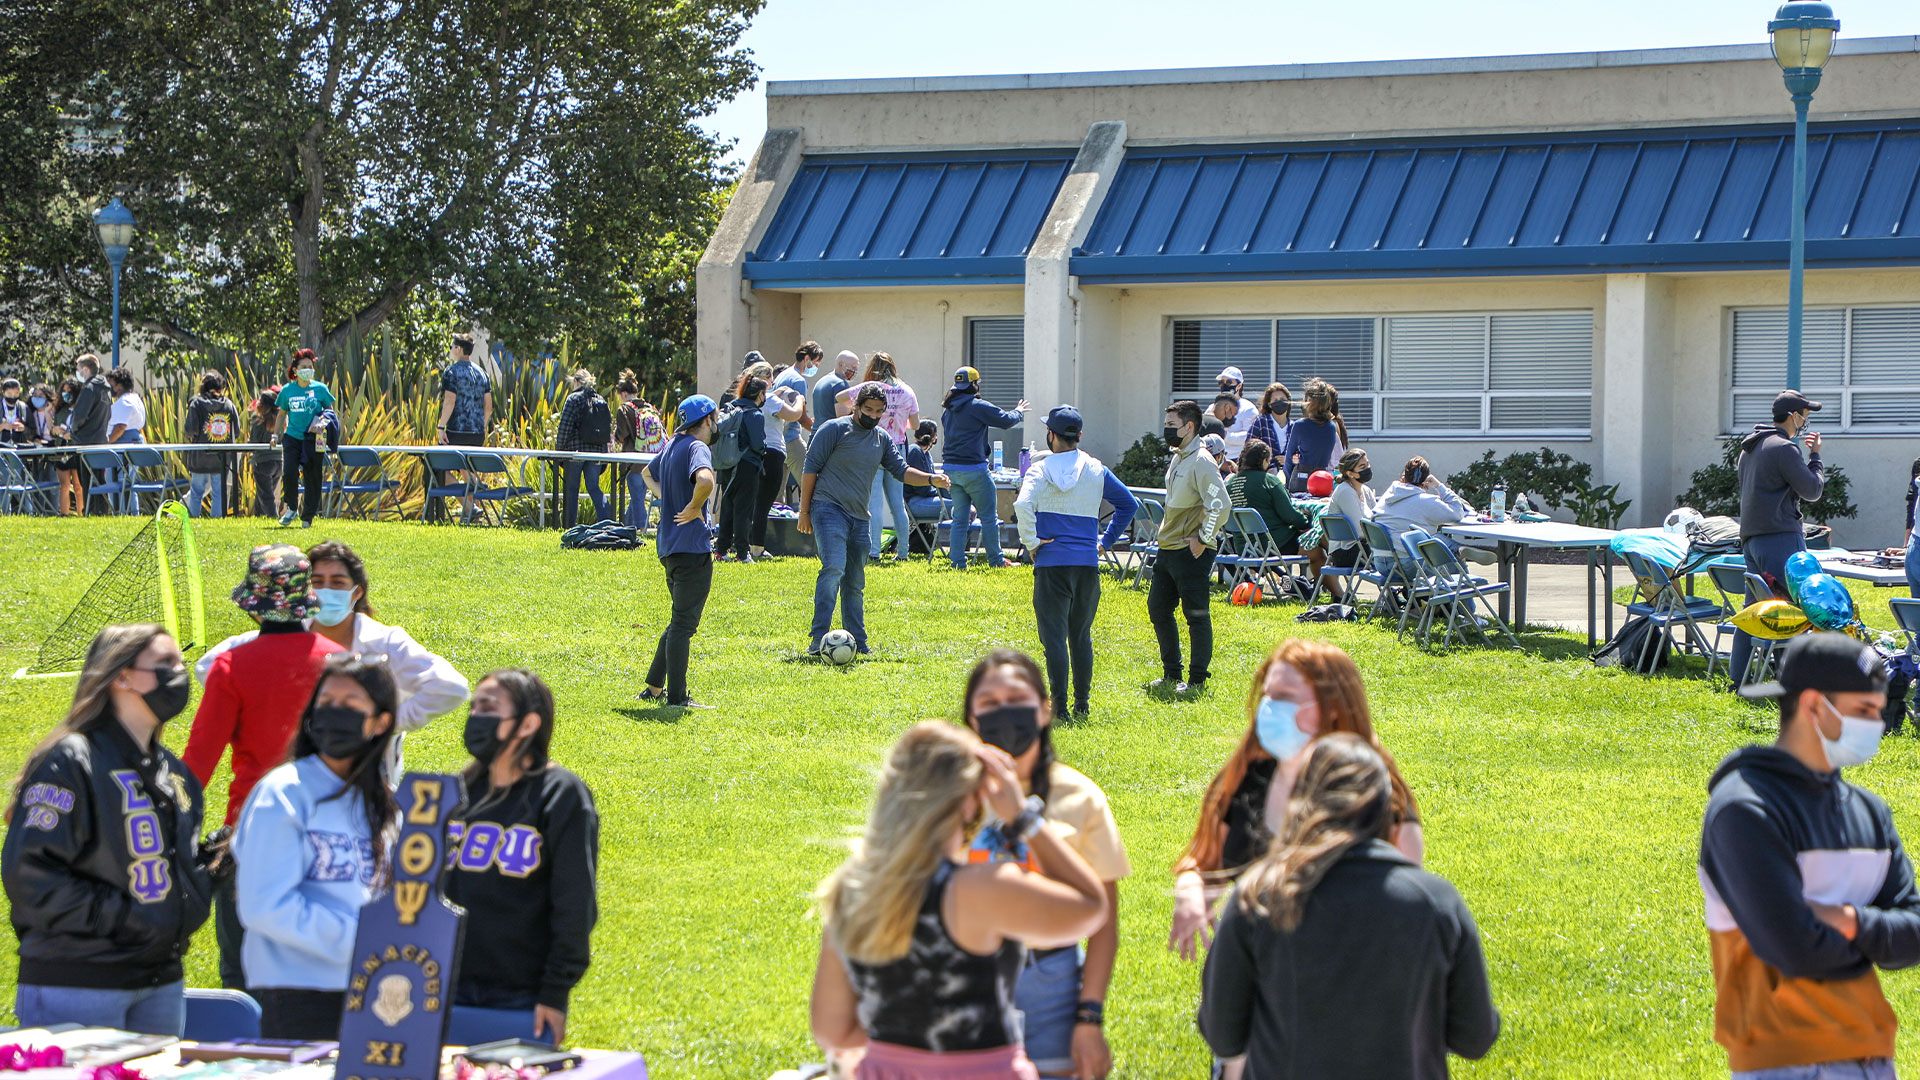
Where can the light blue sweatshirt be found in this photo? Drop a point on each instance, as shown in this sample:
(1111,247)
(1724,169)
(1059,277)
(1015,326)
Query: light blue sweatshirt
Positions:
(305,870)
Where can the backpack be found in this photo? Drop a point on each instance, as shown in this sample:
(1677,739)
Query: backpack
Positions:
(730,436)
(601,536)
(596,427)
(650,434)
(1716,535)
(1631,646)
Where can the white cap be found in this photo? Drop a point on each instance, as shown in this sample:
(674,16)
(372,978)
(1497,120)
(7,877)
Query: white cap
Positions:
(1231,373)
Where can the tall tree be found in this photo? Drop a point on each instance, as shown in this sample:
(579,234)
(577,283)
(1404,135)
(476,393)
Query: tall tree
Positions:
(304,167)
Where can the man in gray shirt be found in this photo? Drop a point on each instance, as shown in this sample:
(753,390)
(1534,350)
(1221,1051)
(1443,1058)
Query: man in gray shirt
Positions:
(841,463)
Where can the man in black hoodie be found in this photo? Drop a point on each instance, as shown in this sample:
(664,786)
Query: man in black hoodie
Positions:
(1808,888)
(87,424)
(1773,483)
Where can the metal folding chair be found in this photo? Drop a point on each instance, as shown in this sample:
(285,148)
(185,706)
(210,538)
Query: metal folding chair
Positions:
(1735,587)
(104,463)
(446,461)
(1466,599)
(481,464)
(1399,581)
(1340,529)
(1906,613)
(20,493)
(1146,531)
(383,489)
(1664,604)
(156,476)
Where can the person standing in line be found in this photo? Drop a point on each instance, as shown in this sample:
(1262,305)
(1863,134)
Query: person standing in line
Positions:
(1338,956)
(1808,886)
(827,404)
(834,491)
(74,474)
(262,417)
(901,420)
(1774,481)
(255,692)
(637,430)
(126,424)
(586,426)
(921,951)
(782,407)
(1058,511)
(1061,994)
(211,419)
(743,485)
(806,365)
(105,878)
(967,418)
(311,849)
(466,408)
(682,477)
(303,454)
(16,421)
(1196,514)
(524,855)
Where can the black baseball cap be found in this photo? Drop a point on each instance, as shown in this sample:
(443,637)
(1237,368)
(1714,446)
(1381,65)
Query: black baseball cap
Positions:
(1788,402)
(1831,663)
(1064,421)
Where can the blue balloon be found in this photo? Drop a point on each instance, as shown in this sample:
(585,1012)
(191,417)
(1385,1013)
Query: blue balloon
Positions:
(1801,565)
(1827,603)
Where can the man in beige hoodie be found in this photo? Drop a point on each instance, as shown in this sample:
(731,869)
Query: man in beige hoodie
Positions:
(1197,509)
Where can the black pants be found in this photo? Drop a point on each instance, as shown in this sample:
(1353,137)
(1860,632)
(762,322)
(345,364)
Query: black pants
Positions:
(689,580)
(229,935)
(1065,600)
(1183,582)
(301,461)
(773,476)
(313,1015)
(736,509)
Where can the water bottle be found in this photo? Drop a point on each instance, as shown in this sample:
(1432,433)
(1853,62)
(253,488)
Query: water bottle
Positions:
(999,458)
(1499,502)
(1026,458)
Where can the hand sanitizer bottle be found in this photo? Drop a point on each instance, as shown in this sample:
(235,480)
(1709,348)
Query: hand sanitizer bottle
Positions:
(1499,502)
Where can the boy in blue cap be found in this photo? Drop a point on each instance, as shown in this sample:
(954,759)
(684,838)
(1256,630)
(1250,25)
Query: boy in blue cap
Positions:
(682,476)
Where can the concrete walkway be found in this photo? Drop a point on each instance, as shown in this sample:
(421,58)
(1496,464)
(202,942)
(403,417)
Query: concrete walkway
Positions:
(1557,596)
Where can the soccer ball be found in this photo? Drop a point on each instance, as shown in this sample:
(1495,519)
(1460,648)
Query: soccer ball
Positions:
(837,648)
(1246,593)
(1677,521)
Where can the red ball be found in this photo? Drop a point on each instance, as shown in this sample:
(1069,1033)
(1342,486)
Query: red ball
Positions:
(1320,484)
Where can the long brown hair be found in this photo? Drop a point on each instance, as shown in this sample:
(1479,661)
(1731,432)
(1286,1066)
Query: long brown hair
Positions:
(1344,798)
(1323,404)
(1277,390)
(1342,697)
(880,368)
(113,651)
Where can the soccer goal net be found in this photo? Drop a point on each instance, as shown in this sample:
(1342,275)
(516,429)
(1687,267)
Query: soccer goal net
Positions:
(155,578)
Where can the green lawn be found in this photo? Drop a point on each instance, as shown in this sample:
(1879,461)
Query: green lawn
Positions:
(1564,801)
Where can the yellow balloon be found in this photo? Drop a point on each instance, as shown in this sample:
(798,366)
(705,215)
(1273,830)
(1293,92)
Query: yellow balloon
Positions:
(1774,620)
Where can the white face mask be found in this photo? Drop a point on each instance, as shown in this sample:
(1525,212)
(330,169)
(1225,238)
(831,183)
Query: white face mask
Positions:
(1859,738)
(305,374)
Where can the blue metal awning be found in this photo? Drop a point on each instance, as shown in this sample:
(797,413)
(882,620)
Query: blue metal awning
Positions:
(1694,199)
(896,219)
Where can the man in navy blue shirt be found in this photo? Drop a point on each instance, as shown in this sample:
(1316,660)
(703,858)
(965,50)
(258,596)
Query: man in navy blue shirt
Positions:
(682,477)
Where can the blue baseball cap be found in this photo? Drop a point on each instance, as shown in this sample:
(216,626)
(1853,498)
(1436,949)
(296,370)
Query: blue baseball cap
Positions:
(1064,420)
(696,408)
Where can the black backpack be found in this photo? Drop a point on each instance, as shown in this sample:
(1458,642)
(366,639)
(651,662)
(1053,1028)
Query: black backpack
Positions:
(596,427)
(601,536)
(1637,641)
(730,436)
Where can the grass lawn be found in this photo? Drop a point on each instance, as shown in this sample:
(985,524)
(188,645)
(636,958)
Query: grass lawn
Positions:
(1564,801)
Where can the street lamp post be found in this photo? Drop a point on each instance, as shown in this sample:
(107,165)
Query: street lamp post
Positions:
(1802,41)
(114,223)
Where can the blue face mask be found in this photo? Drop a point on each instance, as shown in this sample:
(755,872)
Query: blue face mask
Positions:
(1278,730)
(335,606)
(38,402)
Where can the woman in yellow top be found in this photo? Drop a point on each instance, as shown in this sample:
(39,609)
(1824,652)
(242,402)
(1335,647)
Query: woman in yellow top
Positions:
(1062,991)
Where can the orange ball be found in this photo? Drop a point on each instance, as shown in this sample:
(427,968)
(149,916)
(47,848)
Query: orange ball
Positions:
(1246,593)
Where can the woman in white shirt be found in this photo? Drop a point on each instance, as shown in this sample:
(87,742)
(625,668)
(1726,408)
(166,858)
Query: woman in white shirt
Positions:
(125,420)
(429,686)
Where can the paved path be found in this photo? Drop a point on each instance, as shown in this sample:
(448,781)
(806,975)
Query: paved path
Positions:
(1557,596)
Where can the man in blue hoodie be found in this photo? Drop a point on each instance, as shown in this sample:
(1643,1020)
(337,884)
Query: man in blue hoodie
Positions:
(1059,516)
(968,461)
(1774,481)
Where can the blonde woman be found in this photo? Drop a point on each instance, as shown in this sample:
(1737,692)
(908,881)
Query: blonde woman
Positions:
(921,951)
(1337,955)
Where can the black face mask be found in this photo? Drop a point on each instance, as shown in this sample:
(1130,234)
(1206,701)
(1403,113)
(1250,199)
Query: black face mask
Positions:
(338,730)
(483,736)
(1364,475)
(867,423)
(169,694)
(1012,728)
(1172,435)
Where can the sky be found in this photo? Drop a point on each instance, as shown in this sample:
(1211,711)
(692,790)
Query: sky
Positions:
(851,39)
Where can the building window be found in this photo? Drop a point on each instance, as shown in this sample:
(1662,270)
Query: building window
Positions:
(1862,364)
(997,348)
(1510,374)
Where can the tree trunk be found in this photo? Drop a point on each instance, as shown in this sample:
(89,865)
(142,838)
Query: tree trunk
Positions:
(305,213)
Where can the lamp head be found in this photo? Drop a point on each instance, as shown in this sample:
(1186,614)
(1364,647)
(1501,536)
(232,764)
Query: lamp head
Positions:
(1803,33)
(114,223)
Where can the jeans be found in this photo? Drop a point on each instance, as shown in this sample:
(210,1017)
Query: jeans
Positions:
(301,462)
(1857,1069)
(975,487)
(591,470)
(1913,564)
(1766,554)
(689,580)
(927,508)
(843,572)
(292,1013)
(157,1010)
(1048,994)
(229,936)
(1182,582)
(773,476)
(636,515)
(199,485)
(128,477)
(1065,600)
(736,509)
(889,495)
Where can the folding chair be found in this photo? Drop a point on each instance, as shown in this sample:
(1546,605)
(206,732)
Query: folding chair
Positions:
(446,461)
(221,1015)
(481,464)
(1664,605)
(1339,529)
(20,493)
(162,483)
(1734,584)
(1146,530)
(383,489)
(929,530)
(1906,613)
(1260,558)
(471,1025)
(104,463)
(1462,595)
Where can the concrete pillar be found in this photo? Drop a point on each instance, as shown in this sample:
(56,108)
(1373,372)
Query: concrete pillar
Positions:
(1052,338)
(730,316)
(1635,404)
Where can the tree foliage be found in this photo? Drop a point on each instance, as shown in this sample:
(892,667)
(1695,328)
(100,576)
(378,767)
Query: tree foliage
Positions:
(1716,489)
(302,170)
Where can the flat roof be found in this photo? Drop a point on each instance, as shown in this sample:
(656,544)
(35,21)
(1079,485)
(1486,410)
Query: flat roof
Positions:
(1359,69)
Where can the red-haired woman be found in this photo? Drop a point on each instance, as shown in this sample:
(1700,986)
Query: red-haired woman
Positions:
(301,401)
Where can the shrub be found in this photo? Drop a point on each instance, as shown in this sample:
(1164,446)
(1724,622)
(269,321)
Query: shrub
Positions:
(1716,489)
(1145,462)
(1547,476)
